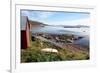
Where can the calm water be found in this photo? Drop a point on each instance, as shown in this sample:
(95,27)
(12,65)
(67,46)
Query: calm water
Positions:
(84,41)
(83,31)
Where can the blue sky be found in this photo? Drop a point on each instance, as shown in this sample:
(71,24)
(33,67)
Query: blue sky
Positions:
(57,18)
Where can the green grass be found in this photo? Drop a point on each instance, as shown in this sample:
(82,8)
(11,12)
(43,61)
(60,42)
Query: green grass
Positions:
(34,53)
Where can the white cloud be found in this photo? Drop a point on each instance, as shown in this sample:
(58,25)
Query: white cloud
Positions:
(37,15)
(44,15)
(25,13)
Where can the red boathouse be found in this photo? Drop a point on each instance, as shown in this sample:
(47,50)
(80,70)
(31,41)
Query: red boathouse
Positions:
(25,32)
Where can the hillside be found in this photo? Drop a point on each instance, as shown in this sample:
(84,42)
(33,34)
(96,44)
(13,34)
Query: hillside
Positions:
(36,23)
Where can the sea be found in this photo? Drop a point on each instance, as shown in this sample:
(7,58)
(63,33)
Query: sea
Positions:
(77,31)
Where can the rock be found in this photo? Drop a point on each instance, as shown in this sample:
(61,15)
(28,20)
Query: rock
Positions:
(50,50)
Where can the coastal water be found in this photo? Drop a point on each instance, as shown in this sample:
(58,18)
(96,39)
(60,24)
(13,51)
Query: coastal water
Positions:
(84,41)
(61,30)
(82,31)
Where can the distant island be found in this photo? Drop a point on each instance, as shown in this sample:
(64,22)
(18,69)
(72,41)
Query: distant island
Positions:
(76,26)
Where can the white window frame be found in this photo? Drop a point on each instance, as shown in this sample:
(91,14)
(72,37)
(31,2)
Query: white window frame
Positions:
(16,66)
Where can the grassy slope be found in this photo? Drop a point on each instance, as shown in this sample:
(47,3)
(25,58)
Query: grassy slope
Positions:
(34,54)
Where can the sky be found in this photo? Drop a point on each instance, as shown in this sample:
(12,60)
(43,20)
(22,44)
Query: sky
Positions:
(58,18)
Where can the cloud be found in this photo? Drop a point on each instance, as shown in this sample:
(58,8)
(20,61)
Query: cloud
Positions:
(44,15)
(24,13)
(37,14)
